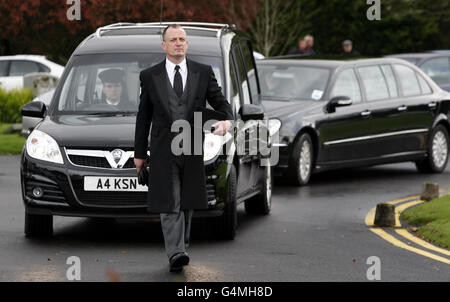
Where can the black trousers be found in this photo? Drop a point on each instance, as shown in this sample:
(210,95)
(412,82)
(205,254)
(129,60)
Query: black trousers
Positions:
(176,226)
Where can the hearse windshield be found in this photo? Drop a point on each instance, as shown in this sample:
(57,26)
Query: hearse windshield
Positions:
(109,83)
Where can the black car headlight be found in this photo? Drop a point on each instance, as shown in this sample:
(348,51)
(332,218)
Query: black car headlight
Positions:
(42,146)
(213,145)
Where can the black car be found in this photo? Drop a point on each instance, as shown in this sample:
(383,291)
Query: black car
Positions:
(338,114)
(435,64)
(79,160)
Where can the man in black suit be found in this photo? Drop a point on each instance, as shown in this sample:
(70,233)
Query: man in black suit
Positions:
(172,90)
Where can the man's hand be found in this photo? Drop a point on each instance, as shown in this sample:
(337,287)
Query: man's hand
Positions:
(139,162)
(221,127)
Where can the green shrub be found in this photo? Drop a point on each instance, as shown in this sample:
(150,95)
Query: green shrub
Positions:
(11,103)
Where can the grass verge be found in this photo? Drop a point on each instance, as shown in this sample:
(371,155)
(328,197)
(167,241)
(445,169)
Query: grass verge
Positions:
(10,143)
(433,219)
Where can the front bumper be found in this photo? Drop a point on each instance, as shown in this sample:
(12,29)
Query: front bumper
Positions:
(64,195)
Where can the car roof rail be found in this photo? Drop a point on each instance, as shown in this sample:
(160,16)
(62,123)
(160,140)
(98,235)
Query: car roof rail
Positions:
(217,27)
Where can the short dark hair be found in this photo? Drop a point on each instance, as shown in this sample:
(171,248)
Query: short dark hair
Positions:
(167,27)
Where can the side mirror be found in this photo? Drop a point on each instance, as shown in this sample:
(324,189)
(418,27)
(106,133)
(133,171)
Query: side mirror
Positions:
(34,109)
(338,101)
(251,112)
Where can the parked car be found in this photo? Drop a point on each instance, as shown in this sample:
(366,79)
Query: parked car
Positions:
(80,142)
(337,114)
(13,69)
(435,64)
(441,51)
(28,122)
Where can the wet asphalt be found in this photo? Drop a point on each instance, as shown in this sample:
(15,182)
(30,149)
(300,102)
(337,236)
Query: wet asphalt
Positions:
(314,233)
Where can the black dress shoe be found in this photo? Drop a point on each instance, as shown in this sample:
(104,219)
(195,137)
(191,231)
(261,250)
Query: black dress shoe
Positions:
(177,262)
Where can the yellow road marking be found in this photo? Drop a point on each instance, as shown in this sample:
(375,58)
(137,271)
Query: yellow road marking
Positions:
(401,208)
(370,217)
(391,239)
(423,243)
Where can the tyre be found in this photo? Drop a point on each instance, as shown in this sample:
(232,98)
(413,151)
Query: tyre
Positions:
(437,155)
(227,223)
(262,203)
(301,161)
(38,225)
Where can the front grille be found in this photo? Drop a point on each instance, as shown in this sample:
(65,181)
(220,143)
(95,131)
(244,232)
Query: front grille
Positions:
(108,198)
(52,192)
(97,162)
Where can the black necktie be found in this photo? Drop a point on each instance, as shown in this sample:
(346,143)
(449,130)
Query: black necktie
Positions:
(178,82)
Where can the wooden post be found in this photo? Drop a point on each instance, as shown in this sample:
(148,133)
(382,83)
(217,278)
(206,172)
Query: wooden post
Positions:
(385,215)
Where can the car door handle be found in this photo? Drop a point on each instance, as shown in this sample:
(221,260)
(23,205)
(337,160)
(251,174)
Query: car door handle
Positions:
(432,105)
(366,113)
(402,108)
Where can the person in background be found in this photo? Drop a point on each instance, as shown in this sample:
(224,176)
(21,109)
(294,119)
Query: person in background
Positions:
(348,50)
(309,39)
(300,49)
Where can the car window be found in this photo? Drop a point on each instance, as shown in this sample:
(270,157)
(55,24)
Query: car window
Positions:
(292,82)
(390,79)
(21,68)
(374,83)
(438,69)
(234,85)
(83,90)
(242,75)
(423,84)
(43,68)
(251,70)
(347,85)
(408,80)
(3,68)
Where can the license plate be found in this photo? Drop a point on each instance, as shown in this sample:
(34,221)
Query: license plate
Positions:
(118,184)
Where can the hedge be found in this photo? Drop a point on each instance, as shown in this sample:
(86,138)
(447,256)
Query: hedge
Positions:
(11,103)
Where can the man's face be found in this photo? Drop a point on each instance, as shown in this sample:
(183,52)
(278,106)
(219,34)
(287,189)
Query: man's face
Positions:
(310,42)
(348,47)
(113,91)
(175,43)
(302,44)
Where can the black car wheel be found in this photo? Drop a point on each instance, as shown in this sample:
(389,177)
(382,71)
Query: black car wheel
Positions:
(227,223)
(38,225)
(301,162)
(262,203)
(438,147)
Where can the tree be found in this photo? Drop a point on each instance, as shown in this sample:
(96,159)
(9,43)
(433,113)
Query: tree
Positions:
(278,24)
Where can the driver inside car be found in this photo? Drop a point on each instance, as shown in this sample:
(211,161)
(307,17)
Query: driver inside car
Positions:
(113,90)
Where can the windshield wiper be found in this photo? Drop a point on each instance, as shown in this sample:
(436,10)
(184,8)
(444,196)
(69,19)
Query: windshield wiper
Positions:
(119,113)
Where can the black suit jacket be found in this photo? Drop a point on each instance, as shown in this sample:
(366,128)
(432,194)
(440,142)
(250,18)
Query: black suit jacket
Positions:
(154,110)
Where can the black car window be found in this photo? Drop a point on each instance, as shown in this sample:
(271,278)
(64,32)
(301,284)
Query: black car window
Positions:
(346,84)
(234,85)
(84,92)
(374,83)
(43,68)
(251,70)
(242,75)
(4,68)
(438,69)
(20,68)
(408,80)
(390,79)
(423,84)
(292,82)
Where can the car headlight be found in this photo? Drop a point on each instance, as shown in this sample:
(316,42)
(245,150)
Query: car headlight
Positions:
(274,126)
(42,146)
(212,145)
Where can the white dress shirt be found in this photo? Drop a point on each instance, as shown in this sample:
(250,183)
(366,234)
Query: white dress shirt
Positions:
(170,68)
